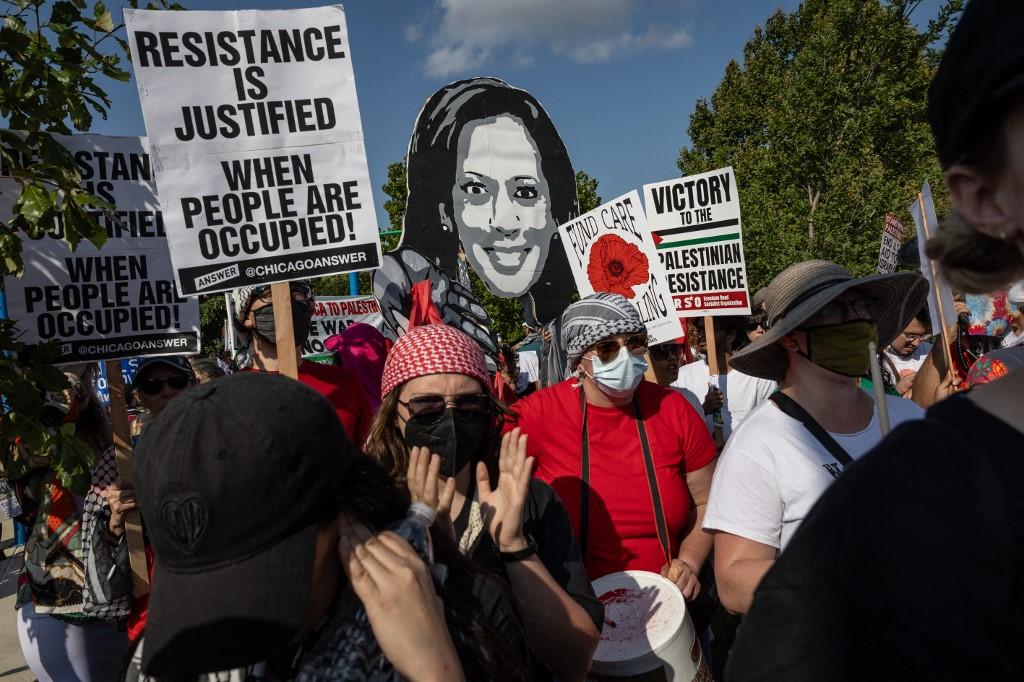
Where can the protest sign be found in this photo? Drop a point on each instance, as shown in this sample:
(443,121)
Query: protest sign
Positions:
(892,238)
(101,385)
(334,314)
(116,302)
(695,223)
(940,297)
(257,144)
(610,250)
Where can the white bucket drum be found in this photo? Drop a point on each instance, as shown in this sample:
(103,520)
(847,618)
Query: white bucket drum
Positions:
(647,633)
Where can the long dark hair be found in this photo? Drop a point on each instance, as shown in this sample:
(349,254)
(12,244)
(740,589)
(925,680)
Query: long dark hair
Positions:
(372,496)
(431,175)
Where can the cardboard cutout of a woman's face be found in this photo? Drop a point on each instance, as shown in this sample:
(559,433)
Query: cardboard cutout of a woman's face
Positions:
(501,204)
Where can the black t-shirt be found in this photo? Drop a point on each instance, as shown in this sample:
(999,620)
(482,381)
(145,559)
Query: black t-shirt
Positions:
(544,520)
(911,566)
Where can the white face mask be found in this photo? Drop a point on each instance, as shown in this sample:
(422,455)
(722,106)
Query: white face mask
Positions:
(620,377)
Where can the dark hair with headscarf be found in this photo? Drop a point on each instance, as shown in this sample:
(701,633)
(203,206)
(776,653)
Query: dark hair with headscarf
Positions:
(432,161)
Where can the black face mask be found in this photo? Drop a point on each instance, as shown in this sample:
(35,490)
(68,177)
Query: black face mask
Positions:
(455,438)
(301,322)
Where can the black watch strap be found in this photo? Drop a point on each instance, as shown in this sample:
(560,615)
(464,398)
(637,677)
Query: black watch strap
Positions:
(524,553)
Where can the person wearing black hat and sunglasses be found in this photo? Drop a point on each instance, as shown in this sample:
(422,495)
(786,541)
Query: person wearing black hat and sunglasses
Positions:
(108,588)
(793,446)
(912,565)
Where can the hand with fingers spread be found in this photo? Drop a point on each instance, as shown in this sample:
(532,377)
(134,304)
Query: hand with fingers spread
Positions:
(424,481)
(397,591)
(502,507)
(121,498)
(684,575)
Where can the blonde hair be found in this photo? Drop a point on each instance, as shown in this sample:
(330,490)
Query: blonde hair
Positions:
(974,262)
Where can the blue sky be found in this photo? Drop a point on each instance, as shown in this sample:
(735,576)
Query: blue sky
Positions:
(618,77)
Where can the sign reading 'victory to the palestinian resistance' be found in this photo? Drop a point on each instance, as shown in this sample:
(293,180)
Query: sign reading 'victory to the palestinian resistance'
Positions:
(610,250)
(118,301)
(695,222)
(257,143)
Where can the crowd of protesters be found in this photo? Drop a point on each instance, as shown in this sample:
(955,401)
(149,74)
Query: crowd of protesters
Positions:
(418,510)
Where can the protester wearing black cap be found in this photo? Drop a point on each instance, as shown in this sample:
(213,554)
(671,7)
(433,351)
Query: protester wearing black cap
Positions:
(912,565)
(266,525)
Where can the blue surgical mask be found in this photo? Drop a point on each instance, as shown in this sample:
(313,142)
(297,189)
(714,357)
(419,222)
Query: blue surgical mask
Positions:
(620,377)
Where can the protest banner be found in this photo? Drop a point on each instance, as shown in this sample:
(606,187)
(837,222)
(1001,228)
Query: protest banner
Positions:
(334,314)
(102,384)
(104,304)
(940,297)
(892,238)
(257,144)
(695,223)
(610,250)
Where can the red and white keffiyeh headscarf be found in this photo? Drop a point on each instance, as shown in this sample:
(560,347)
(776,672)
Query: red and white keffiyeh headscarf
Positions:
(433,349)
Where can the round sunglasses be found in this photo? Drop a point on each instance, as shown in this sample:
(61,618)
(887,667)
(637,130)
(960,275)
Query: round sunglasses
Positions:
(609,348)
(666,350)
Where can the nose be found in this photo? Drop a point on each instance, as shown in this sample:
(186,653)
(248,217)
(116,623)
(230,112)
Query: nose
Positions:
(505,218)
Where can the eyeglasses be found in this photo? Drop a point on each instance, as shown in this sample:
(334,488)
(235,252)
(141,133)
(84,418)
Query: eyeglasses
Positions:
(429,408)
(153,386)
(837,311)
(666,350)
(607,350)
(911,338)
(754,325)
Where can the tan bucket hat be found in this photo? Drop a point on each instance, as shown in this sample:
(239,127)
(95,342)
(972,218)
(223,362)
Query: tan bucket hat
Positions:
(802,289)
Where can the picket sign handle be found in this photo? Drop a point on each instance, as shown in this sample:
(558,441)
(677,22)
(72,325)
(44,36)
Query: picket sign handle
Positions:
(649,372)
(123,452)
(879,389)
(287,362)
(713,369)
(935,290)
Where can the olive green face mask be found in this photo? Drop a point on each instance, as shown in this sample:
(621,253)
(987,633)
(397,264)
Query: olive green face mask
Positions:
(842,348)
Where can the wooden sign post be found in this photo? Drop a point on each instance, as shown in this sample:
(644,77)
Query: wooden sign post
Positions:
(123,452)
(713,370)
(287,358)
(927,229)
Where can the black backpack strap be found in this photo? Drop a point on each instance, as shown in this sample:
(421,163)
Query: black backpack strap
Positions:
(794,410)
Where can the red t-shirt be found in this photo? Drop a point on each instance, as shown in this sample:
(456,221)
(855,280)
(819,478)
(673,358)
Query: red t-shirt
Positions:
(343,391)
(623,534)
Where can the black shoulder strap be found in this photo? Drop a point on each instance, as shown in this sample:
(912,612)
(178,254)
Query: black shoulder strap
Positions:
(794,410)
(652,482)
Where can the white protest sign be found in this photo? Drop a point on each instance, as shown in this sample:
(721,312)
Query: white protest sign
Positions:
(892,238)
(334,314)
(115,302)
(257,144)
(695,223)
(927,225)
(610,250)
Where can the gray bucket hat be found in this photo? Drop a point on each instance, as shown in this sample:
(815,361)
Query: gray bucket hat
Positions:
(803,289)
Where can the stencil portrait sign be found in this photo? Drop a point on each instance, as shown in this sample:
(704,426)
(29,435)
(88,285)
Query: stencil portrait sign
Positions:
(610,250)
(257,144)
(695,223)
(489,182)
(117,301)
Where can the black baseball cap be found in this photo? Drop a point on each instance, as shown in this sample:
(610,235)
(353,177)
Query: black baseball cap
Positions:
(982,67)
(233,478)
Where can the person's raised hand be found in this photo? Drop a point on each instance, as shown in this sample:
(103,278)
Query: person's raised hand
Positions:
(424,481)
(502,507)
(905,384)
(121,499)
(714,400)
(397,591)
(684,576)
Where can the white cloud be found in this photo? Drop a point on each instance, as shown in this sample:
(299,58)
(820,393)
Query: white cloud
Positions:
(413,32)
(473,33)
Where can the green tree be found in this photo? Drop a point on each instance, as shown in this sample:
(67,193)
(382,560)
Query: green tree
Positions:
(824,123)
(586,192)
(54,57)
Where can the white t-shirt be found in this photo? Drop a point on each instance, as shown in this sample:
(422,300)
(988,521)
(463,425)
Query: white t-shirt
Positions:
(913,363)
(529,369)
(742,393)
(773,470)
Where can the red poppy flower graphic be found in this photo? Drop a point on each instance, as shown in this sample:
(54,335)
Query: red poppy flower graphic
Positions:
(616,266)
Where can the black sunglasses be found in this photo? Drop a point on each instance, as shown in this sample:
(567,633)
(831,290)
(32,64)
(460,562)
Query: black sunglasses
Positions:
(428,408)
(666,350)
(153,386)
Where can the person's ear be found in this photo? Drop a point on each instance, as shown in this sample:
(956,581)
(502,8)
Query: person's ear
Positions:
(978,201)
(789,343)
(444,218)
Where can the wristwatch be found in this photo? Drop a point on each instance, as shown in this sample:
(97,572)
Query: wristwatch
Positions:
(524,553)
